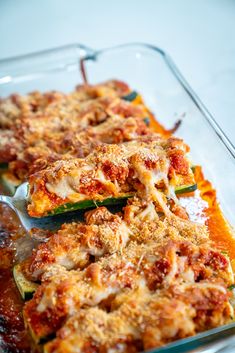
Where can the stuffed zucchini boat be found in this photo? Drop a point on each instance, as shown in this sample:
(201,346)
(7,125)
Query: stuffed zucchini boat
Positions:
(110,174)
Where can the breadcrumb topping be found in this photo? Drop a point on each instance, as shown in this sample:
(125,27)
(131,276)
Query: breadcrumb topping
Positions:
(114,283)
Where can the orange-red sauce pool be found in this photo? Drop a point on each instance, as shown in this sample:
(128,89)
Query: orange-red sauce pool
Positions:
(13,336)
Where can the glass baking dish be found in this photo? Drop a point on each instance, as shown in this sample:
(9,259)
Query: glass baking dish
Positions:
(150,71)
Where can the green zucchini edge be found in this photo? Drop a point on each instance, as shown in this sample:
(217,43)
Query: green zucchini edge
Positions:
(184,189)
(146,121)
(81,205)
(110,201)
(25,287)
(131,96)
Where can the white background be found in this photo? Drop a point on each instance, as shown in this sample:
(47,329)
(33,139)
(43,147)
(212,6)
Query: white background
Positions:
(199,35)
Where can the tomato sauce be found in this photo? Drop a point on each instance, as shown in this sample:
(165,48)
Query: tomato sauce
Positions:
(13,336)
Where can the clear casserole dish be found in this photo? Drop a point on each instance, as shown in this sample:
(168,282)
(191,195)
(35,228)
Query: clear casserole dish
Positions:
(150,71)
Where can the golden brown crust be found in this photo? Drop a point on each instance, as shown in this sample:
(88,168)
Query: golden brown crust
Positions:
(110,171)
(69,125)
(179,269)
(76,244)
(116,282)
(142,320)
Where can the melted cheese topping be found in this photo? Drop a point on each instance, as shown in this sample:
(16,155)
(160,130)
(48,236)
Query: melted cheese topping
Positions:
(195,207)
(106,173)
(135,280)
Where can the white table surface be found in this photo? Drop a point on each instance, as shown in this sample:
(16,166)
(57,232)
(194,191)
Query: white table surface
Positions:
(199,35)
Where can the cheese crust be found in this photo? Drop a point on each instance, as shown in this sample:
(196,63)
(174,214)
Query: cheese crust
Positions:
(112,171)
(42,128)
(114,283)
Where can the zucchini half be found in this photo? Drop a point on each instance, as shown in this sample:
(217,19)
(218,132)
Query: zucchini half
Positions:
(81,205)
(130,97)
(26,287)
(184,189)
(146,121)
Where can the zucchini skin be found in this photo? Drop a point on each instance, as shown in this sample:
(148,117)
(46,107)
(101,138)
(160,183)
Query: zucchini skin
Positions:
(231,287)
(147,121)
(9,182)
(110,201)
(3,166)
(130,97)
(184,189)
(25,287)
(68,207)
